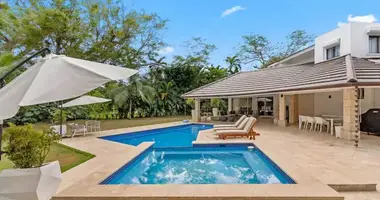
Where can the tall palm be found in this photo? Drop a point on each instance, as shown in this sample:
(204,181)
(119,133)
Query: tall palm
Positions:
(126,95)
(234,65)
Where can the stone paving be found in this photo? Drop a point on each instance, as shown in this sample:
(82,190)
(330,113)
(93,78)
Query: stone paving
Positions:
(299,153)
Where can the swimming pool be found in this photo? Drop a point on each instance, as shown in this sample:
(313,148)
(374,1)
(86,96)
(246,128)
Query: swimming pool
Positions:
(175,136)
(200,165)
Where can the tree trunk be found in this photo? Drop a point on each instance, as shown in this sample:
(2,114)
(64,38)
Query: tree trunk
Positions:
(130,109)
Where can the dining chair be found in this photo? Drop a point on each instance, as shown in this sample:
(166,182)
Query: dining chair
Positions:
(310,121)
(301,121)
(320,123)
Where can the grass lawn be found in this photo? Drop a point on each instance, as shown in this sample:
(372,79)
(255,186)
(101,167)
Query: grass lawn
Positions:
(69,157)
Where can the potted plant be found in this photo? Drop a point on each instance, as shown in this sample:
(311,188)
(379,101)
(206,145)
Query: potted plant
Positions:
(191,103)
(215,106)
(31,179)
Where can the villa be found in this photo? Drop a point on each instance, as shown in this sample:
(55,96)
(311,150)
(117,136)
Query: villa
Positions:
(338,76)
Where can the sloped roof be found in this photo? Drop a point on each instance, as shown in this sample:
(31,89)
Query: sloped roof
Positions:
(339,71)
(366,70)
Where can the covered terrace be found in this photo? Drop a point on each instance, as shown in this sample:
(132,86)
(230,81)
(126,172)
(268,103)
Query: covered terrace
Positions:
(344,87)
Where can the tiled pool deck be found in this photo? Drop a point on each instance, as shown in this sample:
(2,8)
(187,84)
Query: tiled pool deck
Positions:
(311,159)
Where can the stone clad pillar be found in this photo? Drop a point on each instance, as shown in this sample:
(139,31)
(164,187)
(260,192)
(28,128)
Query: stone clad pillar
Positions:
(236,103)
(276,106)
(254,106)
(281,110)
(351,115)
(293,109)
(197,117)
(230,104)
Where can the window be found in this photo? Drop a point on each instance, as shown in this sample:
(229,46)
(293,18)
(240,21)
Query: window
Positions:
(374,44)
(332,52)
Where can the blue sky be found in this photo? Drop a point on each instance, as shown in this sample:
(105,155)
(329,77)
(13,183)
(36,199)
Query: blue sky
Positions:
(273,19)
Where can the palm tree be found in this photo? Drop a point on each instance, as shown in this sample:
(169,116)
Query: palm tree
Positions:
(126,95)
(233,64)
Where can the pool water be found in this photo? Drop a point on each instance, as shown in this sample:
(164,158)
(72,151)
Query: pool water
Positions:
(176,136)
(200,165)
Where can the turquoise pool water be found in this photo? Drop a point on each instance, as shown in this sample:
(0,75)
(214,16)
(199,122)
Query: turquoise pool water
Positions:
(176,136)
(200,165)
(174,160)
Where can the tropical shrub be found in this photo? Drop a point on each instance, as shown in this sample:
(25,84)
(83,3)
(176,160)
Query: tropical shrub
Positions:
(33,114)
(215,102)
(191,103)
(27,147)
(57,116)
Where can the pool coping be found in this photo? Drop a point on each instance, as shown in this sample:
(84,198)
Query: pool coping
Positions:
(90,188)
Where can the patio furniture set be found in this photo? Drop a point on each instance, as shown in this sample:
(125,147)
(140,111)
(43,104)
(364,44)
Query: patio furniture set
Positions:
(318,123)
(77,129)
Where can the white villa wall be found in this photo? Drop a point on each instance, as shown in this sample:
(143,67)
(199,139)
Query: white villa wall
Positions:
(342,33)
(376,96)
(354,40)
(360,38)
(323,105)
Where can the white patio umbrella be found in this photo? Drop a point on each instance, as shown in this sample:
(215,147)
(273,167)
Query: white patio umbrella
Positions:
(55,78)
(85,100)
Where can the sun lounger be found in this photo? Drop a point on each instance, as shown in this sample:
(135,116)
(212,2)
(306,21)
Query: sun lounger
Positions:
(240,125)
(236,125)
(246,132)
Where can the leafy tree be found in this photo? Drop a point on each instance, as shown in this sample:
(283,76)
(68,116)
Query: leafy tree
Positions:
(234,65)
(95,30)
(199,48)
(260,52)
(128,95)
(296,41)
(212,73)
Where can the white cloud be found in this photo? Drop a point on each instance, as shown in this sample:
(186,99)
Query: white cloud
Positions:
(232,10)
(365,18)
(166,50)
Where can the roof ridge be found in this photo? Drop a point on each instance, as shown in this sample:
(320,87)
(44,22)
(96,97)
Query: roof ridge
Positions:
(350,70)
(273,68)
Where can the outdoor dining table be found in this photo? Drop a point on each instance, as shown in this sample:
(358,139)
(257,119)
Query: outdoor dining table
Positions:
(331,119)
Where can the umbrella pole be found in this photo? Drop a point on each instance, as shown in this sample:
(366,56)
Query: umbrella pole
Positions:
(60,126)
(1,136)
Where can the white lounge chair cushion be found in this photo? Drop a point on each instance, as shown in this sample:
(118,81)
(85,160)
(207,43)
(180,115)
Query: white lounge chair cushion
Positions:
(246,124)
(237,123)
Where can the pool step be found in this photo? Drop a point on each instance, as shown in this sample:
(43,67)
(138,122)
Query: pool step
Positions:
(353,187)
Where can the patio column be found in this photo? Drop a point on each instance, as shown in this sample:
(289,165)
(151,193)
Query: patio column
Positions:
(276,106)
(293,109)
(229,104)
(254,106)
(236,106)
(351,115)
(281,111)
(197,116)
